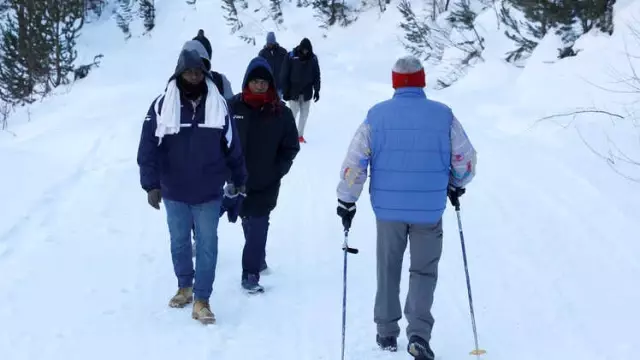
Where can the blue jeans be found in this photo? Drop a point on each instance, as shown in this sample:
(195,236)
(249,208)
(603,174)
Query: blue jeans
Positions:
(180,218)
(255,236)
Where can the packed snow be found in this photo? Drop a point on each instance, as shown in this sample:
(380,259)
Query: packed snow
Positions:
(550,226)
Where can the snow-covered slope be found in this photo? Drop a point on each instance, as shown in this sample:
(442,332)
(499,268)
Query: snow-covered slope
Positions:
(550,228)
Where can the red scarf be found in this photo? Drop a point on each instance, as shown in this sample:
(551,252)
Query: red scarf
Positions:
(259,100)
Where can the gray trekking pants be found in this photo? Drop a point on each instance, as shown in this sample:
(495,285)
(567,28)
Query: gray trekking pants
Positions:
(425,248)
(302,107)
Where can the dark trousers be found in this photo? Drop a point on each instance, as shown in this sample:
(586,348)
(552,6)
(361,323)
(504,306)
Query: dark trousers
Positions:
(255,235)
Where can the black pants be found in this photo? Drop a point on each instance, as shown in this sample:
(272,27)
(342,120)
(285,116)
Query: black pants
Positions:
(255,236)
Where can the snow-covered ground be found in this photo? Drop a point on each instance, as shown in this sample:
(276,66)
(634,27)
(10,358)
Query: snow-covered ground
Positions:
(551,228)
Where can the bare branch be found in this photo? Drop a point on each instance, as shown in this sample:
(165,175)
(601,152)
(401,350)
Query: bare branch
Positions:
(584,111)
(610,159)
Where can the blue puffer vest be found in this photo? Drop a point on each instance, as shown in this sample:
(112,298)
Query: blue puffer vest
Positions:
(411,157)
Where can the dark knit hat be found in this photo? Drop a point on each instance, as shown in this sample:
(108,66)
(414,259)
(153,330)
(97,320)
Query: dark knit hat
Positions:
(271,38)
(204,41)
(408,72)
(262,73)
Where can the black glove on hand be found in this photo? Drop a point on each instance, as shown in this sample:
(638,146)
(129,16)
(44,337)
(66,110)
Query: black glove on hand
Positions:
(346,211)
(232,201)
(316,96)
(154,198)
(454,194)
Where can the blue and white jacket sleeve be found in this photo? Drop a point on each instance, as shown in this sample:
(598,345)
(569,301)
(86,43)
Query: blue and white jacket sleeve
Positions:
(353,173)
(148,151)
(233,153)
(463,156)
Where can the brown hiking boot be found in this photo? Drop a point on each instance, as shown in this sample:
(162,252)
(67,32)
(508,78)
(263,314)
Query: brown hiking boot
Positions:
(183,297)
(202,312)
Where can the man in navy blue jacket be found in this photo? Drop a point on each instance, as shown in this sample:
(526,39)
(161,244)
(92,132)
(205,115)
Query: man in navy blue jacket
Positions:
(187,147)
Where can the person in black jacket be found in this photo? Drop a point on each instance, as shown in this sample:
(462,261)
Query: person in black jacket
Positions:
(202,46)
(275,54)
(269,139)
(300,81)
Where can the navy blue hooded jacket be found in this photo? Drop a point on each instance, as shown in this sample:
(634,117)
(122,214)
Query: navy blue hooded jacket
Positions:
(192,165)
(300,75)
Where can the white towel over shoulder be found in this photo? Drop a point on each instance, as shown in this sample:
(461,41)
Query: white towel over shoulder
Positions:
(168,117)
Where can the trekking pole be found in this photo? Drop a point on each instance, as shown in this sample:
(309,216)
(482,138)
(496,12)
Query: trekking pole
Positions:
(347,250)
(477,352)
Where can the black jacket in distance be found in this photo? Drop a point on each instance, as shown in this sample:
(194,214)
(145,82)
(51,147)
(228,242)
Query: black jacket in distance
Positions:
(300,75)
(275,56)
(269,139)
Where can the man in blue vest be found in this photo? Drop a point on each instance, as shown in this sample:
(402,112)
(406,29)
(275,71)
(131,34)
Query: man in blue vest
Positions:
(418,154)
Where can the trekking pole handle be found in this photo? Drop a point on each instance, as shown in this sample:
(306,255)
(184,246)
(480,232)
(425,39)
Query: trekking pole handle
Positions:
(345,244)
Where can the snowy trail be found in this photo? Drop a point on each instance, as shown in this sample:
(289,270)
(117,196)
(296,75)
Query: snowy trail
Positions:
(85,262)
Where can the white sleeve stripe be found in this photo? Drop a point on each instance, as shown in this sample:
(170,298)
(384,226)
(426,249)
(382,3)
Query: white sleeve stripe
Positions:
(229,134)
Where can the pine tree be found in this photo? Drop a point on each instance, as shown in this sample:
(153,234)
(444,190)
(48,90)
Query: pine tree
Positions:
(275,10)
(94,7)
(525,45)
(462,18)
(592,14)
(63,22)
(16,84)
(417,32)
(147,11)
(124,16)
(25,52)
(4,6)
(233,20)
(542,17)
(331,12)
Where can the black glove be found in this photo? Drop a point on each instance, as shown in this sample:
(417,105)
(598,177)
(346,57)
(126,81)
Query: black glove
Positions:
(232,201)
(286,96)
(454,194)
(154,198)
(346,211)
(316,96)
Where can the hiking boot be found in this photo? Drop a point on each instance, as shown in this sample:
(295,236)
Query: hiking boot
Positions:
(183,297)
(420,349)
(202,312)
(251,285)
(389,343)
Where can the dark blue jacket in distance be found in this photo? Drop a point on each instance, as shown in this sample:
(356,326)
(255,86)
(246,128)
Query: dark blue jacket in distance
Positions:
(191,166)
(275,56)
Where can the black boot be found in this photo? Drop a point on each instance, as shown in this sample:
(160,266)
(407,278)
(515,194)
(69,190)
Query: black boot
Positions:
(420,349)
(389,343)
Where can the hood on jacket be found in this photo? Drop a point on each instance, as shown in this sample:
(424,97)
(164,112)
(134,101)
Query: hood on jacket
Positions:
(305,44)
(189,59)
(259,62)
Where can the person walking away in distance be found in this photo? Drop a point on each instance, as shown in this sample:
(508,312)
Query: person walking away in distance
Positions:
(221,81)
(412,173)
(300,81)
(269,138)
(187,148)
(275,55)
